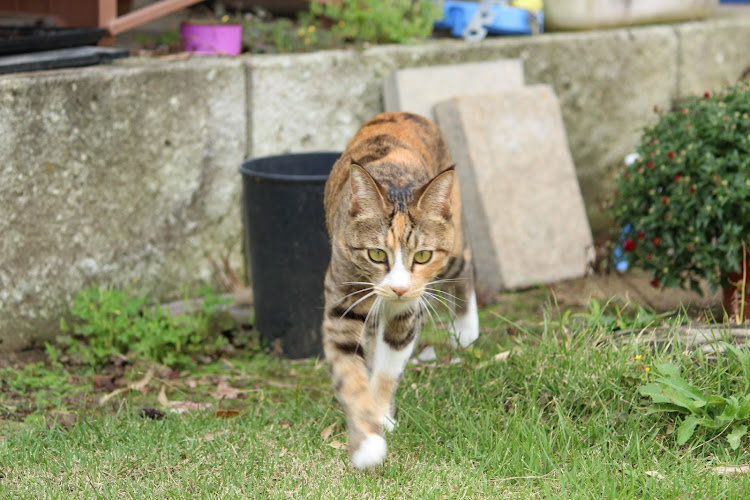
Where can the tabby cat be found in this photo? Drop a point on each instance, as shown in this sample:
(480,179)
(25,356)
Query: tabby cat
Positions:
(393,213)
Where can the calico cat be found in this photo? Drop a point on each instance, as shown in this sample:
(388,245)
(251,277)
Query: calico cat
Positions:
(393,213)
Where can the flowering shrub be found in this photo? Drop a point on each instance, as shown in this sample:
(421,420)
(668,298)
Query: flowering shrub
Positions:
(685,203)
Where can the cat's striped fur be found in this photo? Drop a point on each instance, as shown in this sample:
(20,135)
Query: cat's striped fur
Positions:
(393,212)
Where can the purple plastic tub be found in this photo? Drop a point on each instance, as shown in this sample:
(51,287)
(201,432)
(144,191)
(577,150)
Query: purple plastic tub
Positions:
(211,38)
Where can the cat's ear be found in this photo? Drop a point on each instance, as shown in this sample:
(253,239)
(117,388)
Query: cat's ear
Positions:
(435,196)
(366,194)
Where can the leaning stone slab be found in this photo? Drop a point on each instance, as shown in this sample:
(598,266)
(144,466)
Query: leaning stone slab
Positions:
(419,89)
(528,224)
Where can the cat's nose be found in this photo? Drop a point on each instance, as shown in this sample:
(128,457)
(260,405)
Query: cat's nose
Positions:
(399,290)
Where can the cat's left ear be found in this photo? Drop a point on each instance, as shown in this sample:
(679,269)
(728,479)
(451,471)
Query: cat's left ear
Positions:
(366,195)
(435,196)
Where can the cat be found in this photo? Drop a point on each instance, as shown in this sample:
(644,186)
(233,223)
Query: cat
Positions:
(393,213)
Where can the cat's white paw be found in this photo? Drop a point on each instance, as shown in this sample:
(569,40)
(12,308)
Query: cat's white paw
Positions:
(371,452)
(388,423)
(465,328)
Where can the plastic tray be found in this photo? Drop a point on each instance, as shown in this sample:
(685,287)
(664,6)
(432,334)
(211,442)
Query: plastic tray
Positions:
(505,20)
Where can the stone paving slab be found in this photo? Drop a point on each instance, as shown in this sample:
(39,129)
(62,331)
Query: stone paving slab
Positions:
(529,225)
(419,89)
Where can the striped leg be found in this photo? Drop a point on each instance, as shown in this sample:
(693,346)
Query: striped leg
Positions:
(393,347)
(343,346)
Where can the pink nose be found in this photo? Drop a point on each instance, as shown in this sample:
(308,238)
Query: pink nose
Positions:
(399,290)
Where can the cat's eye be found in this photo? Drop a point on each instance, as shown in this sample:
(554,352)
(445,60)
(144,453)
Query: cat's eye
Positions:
(377,255)
(423,256)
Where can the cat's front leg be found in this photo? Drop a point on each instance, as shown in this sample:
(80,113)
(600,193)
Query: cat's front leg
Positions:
(394,344)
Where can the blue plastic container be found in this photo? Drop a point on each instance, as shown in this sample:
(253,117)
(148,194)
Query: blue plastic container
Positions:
(505,21)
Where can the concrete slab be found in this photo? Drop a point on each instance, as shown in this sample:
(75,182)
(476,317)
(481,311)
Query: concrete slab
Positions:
(530,224)
(419,89)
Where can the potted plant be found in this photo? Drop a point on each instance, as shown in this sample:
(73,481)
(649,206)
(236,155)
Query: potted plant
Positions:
(683,207)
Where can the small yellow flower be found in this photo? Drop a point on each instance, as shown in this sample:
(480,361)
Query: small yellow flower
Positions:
(637,357)
(341,24)
(307,41)
(117,312)
(647,369)
(311,28)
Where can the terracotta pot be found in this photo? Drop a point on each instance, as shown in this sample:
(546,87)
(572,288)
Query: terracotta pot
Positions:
(737,292)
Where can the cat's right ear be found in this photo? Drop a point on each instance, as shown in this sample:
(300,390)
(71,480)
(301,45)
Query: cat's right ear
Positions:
(366,195)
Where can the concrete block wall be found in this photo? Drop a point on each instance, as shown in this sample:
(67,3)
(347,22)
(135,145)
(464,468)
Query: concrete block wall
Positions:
(129,172)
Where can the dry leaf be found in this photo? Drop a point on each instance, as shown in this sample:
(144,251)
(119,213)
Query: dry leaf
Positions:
(227,413)
(501,356)
(731,470)
(163,396)
(225,391)
(212,435)
(183,406)
(338,445)
(655,474)
(326,433)
(140,385)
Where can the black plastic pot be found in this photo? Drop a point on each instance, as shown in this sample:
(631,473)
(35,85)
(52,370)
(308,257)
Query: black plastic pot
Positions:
(288,247)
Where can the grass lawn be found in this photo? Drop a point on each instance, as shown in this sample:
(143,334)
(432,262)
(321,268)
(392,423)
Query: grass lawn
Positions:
(544,406)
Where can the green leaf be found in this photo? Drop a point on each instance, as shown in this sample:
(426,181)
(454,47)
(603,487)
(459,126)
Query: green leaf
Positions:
(668,369)
(735,437)
(687,428)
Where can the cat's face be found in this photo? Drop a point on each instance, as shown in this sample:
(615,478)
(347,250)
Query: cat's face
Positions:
(400,246)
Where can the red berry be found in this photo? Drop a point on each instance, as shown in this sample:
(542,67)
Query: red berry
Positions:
(650,164)
(671,155)
(706,95)
(665,200)
(677,177)
(655,283)
(629,245)
(691,189)
(656,241)
(640,236)
(627,175)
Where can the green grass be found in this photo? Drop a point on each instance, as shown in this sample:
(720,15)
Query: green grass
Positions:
(561,417)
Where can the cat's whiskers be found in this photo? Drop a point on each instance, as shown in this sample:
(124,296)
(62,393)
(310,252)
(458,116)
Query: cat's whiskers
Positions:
(425,305)
(454,300)
(363,290)
(357,302)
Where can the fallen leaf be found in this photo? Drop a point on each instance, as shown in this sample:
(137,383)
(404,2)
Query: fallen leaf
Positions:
(163,397)
(212,435)
(427,355)
(140,385)
(225,391)
(326,433)
(501,356)
(227,413)
(64,419)
(338,445)
(183,406)
(731,470)
(655,474)
(104,382)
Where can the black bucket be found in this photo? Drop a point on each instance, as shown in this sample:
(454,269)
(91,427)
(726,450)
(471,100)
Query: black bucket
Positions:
(288,247)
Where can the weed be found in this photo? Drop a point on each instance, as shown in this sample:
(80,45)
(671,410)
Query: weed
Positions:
(110,322)
(718,411)
(375,21)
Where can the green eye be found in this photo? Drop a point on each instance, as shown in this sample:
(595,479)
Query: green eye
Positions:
(423,256)
(377,255)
